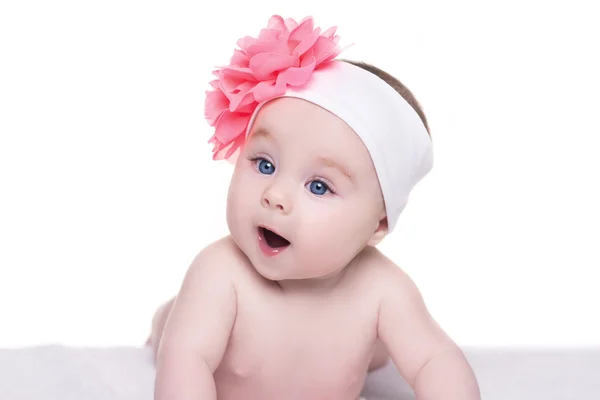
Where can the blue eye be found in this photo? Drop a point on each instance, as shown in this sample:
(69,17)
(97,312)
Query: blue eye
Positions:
(265,166)
(319,188)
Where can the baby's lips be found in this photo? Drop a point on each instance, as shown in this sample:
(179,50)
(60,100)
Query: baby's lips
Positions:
(275,232)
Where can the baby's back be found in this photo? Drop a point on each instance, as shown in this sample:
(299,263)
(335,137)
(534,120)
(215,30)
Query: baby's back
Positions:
(304,345)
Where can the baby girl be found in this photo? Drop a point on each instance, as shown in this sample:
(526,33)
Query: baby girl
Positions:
(297,302)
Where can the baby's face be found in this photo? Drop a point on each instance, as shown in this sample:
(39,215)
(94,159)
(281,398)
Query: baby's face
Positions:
(304,198)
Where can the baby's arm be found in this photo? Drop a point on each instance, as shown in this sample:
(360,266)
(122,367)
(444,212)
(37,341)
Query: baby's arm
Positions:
(197,331)
(425,356)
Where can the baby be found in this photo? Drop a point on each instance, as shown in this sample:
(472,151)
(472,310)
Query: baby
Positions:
(297,302)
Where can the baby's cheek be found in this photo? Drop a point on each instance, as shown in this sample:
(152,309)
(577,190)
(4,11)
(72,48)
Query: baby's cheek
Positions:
(236,215)
(324,239)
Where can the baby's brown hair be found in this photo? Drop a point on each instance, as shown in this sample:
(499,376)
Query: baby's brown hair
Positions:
(398,87)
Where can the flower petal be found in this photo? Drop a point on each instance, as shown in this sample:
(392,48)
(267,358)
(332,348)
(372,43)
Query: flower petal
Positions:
(236,145)
(304,29)
(214,105)
(214,84)
(238,73)
(276,22)
(307,58)
(268,35)
(306,43)
(244,42)
(279,47)
(298,76)
(325,49)
(239,58)
(267,90)
(248,108)
(241,97)
(227,151)
(291,24)
(230,125)
(265,64)
(330,32)
(230,85)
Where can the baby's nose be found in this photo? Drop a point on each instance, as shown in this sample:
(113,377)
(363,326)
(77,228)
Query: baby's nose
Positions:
(275,198)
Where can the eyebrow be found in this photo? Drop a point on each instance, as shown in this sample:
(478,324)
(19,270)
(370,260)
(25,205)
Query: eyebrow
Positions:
(331,163)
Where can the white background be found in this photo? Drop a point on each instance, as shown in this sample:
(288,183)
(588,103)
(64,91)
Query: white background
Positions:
(108,190)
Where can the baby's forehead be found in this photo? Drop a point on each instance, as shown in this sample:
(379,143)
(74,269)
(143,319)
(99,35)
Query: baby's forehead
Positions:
(299,121)
(306,150)
(312,142)
(299,126)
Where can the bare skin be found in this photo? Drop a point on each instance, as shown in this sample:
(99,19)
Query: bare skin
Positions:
(306,319)
(317,345)
(380,356)
(269,345)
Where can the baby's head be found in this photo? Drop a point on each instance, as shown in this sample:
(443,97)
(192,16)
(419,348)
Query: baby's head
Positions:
(324,163)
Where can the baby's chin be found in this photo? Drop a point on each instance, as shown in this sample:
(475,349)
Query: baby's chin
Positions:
(274,272)
(295,277)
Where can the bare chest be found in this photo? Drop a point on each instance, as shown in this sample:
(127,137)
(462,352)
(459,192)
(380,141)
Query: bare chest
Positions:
(309,348)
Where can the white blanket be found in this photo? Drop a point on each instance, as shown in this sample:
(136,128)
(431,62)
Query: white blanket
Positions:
(61,373)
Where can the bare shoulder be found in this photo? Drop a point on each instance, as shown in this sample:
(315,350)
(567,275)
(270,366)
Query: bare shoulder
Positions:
(221,255)
(387,277)
(220,261)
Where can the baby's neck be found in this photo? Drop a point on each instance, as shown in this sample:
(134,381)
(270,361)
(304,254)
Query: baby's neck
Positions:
(314,285)
(319,285)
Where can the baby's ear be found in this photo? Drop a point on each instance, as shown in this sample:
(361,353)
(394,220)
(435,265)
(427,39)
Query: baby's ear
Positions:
(380,232)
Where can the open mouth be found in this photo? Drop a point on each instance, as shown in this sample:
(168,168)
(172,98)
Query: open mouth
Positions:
(272,239)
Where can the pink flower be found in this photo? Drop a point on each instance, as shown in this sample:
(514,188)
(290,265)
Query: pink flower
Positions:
(284,54)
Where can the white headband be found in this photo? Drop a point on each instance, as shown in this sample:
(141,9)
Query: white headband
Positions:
(391,130)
